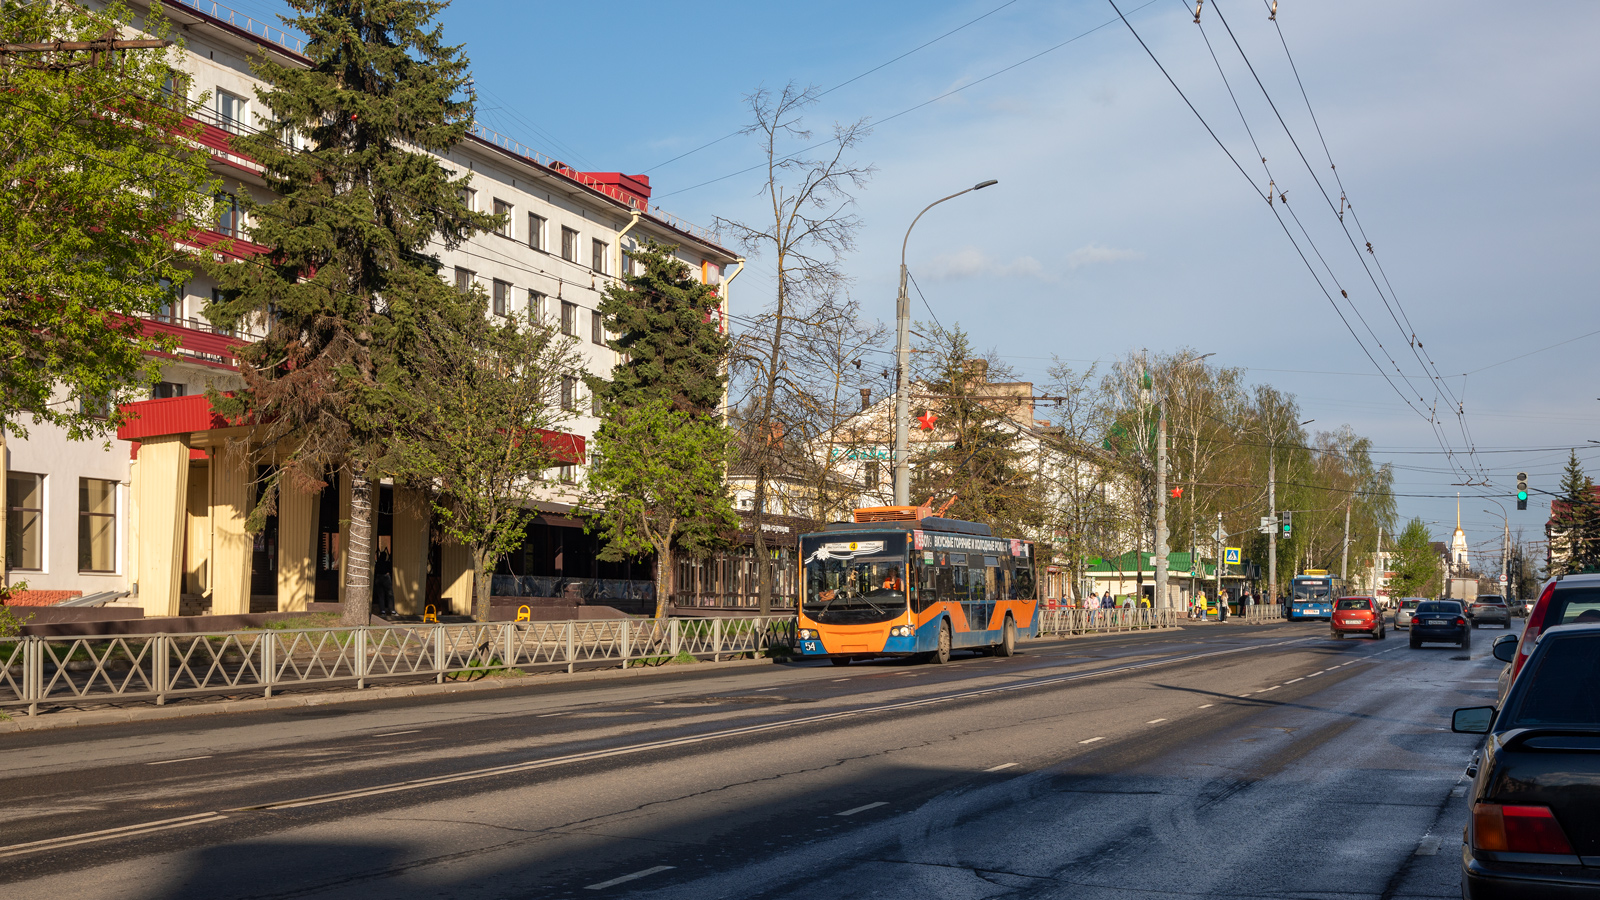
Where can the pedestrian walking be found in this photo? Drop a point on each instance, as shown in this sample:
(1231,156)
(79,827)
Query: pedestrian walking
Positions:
(1222,607)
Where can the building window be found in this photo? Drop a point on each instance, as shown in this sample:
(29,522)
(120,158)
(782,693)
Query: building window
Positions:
(175,88)
(502,210)
(232,111)
(98,407)
(502,296)
(569,393)
(535,306)
(569,244)
(596,407)
(469,198)
(535,231)
(567,474)
(569,318)
(166,390)
(464,279)
(597,327)
(171,307)
(872,476)
(97,525)
(597,256)
(24,521)
(228,216)
(217,297)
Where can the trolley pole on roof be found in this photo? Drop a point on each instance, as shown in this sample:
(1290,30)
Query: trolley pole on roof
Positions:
(902,355)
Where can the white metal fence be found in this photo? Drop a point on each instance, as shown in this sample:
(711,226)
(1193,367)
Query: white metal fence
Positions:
(63,671)
(1263,613)
(1105,621)
(40,672)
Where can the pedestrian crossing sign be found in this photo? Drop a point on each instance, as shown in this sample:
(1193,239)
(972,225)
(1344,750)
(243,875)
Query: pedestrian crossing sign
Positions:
(1230,556)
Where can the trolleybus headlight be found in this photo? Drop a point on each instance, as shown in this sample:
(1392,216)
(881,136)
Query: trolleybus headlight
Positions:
(900,631)
(807,634)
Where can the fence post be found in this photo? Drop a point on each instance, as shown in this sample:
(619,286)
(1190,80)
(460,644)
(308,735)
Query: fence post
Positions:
(359,656)
(438,654)
(716,640)
(571,654)
(161,667)
(510,646)
(32,673)
(672,637)
(269,660)
(625,642)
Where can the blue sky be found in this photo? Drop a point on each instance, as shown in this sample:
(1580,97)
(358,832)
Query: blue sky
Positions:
(1464,134)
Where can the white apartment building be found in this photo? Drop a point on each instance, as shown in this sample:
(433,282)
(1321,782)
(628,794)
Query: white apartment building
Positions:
(75,512)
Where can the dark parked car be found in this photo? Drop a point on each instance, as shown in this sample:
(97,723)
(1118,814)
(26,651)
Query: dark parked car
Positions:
(1534,829)
(1440,621)
(1518,606)
(1489,608)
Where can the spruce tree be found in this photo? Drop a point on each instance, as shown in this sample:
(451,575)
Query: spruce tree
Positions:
(348,284)
(1575,521)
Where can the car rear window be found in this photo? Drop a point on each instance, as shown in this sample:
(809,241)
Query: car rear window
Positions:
(1439,606)
(1564,688)
(1574,604)
(1409,604)
(1355,603)
(1491,599)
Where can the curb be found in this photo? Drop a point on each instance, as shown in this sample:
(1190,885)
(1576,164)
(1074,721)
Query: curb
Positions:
(50,721)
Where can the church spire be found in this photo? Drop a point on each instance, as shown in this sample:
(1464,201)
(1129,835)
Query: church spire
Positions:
(1458,510)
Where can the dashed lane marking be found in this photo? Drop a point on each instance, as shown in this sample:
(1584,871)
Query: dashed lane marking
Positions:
(837,680)
(1154,721)
(1429,846)
(1092,740)
(398,733)
(1293,680)
(125,831)
(862,809)
(1207,705)
(999,767)
(546,715)
(1273,688)
(632,876)
(165,762)
(1315,674)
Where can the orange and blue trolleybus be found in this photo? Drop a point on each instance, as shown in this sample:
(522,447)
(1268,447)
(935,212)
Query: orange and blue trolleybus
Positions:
(899,581)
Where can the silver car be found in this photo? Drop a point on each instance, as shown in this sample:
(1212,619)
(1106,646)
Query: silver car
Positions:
(1402,613)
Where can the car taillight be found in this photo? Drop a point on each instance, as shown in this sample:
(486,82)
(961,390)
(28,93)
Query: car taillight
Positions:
(1517,829)
(1460,621)
(1530,632)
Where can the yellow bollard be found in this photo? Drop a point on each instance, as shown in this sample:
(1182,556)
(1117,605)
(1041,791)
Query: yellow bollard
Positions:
(524,614)
(430,614)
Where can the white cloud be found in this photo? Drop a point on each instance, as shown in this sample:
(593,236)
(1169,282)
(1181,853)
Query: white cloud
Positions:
(971,262)
(1095,254)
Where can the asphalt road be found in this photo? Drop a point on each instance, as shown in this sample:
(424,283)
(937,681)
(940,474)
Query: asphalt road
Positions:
(1216,761)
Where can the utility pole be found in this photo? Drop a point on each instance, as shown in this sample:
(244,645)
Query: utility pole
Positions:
(1377,553)
(1221,536)
(1505,563)
(1272,509)
(1161,508)
(1344,558)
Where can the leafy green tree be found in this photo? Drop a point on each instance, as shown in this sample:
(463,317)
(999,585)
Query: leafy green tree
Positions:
(479,437)
(655,485)
(1575,523)
(99,178)
(349,287)
(1416,569)
(663,322)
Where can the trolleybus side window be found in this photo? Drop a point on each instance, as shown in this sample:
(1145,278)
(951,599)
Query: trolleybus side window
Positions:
(1022,582)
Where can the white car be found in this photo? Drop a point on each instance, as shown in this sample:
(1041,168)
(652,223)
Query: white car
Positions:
(1402,614)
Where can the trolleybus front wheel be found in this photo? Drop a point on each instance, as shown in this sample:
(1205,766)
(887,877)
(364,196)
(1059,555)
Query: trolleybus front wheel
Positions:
(942,655)
(1008,643)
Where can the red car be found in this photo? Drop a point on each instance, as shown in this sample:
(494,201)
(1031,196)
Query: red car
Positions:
(1358,615)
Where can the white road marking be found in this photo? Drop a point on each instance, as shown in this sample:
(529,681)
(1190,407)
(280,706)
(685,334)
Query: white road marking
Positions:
(836,680)
(1293,680)
(859,809)
(1429,846)
(626,878)
(546,715)
(165,762)
(759,690)
(1315,674)
(1273,688)
(1154,721)
(397,733)
(1092,740)
(72,840)
(1207,705)
(999,767)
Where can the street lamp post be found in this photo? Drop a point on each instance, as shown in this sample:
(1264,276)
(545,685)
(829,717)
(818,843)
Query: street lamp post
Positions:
(902,353)
(1162,539)
(1505,548)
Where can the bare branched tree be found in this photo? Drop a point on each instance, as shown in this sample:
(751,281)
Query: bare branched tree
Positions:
(813,225)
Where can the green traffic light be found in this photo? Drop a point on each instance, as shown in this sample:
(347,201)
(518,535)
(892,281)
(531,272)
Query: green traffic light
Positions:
(1522,495)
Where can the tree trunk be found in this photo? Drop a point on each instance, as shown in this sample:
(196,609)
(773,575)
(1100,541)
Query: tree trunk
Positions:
(763,560)
(482,581)
(357,607)
(663,580)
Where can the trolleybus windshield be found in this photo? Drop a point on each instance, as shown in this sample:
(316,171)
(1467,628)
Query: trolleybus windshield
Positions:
(854,578)
(1311,589)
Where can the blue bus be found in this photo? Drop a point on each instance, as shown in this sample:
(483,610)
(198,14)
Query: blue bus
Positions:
(1311,595)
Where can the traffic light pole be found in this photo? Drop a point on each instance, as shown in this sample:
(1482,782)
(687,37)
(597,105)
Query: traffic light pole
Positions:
(1272,510)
